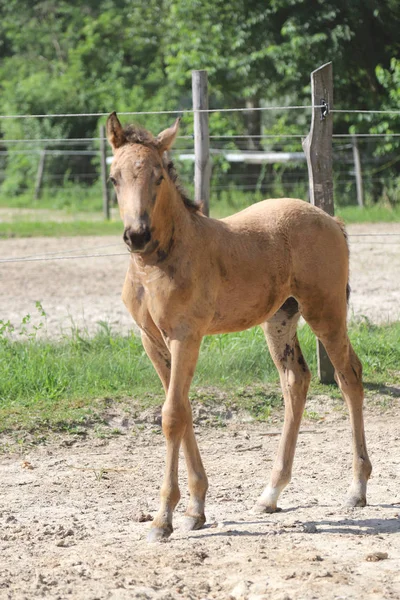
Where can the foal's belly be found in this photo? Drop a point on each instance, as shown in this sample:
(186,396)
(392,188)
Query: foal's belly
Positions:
(237,310)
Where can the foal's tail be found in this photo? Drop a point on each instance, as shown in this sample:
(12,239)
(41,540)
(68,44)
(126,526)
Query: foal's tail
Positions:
(342,226)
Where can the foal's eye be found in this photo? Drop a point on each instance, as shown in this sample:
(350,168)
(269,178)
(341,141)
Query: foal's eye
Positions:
(159,180)
(113,180)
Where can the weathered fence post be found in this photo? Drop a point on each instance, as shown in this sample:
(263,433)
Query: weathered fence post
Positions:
(40,173)
(103,163)
(317,147)
(357,168)
(202,168)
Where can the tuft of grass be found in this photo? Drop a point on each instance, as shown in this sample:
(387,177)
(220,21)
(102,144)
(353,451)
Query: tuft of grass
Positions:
(311,415)
(259,401)
(379,350)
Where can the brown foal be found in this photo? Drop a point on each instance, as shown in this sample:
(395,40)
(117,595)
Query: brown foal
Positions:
(190,276)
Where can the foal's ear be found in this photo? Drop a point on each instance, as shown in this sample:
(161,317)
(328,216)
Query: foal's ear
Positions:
(166,138)
(115,133)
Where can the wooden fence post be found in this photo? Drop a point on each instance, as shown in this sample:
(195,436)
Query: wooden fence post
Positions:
(357,168)
(40,173)
(202,168)
(103,163)
(318,150)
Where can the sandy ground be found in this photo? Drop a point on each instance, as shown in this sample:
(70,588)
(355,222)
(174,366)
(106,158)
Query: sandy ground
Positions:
(83,292)
(70,515)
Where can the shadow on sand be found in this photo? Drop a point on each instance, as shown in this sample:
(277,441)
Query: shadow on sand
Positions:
(369,526)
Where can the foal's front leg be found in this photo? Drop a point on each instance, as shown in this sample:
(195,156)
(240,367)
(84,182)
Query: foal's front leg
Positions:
(177,427)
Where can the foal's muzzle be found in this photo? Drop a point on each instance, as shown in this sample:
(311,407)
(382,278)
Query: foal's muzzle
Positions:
(137,239)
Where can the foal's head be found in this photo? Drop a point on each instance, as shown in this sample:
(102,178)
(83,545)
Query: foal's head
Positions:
(137,173)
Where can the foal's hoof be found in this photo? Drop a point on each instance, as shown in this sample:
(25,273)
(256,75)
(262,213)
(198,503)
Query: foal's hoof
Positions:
(356,501)
(158,534)
(259,508)
(193,523)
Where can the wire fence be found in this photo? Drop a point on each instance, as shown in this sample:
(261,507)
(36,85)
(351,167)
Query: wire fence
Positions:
(289,176)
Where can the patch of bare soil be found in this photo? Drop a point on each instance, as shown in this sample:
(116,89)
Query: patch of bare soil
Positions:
(83,292)
(74,293)
(375,271)
(73,517)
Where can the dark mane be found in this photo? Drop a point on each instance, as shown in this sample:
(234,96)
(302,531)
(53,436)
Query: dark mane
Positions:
(192,205)
(134,134)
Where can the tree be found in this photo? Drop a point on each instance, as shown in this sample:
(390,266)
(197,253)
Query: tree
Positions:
(129,55)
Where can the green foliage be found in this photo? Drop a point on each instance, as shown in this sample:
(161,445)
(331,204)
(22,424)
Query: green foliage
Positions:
(128,55)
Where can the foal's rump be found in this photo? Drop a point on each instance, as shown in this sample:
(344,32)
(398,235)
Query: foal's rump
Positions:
(319,264)
(308,246)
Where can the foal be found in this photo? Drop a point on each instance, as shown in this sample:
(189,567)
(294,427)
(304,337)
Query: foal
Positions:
(190,276)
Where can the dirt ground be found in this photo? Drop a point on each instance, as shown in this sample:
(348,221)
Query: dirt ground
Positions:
(80,293)
(71,510)
(71,516)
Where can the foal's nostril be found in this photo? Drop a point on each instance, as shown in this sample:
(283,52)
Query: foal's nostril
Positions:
(136,240)
(125,236)
(140,239)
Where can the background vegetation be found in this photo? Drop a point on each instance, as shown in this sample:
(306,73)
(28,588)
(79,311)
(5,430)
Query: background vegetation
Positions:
(129,55)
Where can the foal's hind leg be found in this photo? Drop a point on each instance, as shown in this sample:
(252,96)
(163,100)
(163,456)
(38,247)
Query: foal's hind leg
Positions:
(330,327)
(280,332)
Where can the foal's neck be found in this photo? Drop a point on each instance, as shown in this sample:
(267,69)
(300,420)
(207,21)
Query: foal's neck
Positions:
(171,222)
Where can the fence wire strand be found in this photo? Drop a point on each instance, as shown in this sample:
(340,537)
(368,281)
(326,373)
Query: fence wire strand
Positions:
(366,112)
(208,110)
(53,256)
(38,259)
(58,252)
(191,137)
(163,112)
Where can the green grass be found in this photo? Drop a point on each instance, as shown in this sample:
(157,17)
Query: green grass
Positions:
(82,227)
(370,214)
(59,229)
(70,196)
(231,202)
(72,216)
(61,385)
